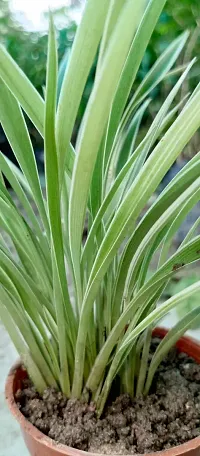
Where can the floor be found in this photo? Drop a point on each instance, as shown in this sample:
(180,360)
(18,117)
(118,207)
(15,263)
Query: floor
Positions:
(11,443)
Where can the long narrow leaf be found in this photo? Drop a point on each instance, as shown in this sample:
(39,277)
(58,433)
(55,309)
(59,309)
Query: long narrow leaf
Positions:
(34,371)
(186,255)
(75,79)
(154,316)
(22,88)
(10,115)
(94,122)
(192,201)
(129,168)
(27,95)
(169,341)
(133,62)
(61,296)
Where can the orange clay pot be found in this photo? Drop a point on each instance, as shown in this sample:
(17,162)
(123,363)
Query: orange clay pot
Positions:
(40,445)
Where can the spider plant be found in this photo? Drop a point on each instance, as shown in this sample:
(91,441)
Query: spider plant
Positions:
(81,313)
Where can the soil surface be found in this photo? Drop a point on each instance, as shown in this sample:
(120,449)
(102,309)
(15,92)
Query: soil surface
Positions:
(169,416)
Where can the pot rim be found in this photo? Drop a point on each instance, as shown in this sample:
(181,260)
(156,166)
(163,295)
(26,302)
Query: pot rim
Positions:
(66,450)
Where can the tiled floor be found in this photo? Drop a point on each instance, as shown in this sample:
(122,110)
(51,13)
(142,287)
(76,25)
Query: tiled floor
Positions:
(11,443)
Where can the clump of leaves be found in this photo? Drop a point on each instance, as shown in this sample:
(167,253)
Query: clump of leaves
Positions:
(80,341)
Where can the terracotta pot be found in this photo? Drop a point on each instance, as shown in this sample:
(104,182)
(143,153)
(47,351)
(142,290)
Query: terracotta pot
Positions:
(40,445)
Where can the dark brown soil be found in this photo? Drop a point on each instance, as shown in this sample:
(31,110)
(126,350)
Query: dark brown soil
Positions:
(169,416)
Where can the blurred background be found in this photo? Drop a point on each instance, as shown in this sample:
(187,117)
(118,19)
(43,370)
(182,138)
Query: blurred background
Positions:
(23,31)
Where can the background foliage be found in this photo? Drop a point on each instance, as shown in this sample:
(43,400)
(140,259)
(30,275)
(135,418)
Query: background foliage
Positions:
(29,49)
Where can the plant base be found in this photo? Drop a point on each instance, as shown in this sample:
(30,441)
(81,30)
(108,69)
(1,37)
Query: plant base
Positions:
(147,422)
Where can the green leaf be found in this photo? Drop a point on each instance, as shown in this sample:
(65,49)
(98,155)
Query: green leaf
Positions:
(94,123)
(150,319)
(62,69)
(151,174)
(124,149)
(10,116)
(191,232)
(27,96)
(80,62)
(159,69)
(31,295)
(14,225)
(175,188)
(128,172)
(134,310)
(129,137)
(169,341)
(144,361)
(131,67)
(192,201)
(112,18)
(24,327)
(34,371)
(161,228)
(6,168)
(61,296)
(22,89)
(154,76)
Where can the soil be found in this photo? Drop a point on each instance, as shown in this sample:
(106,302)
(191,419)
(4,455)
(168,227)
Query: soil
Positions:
(169,416)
